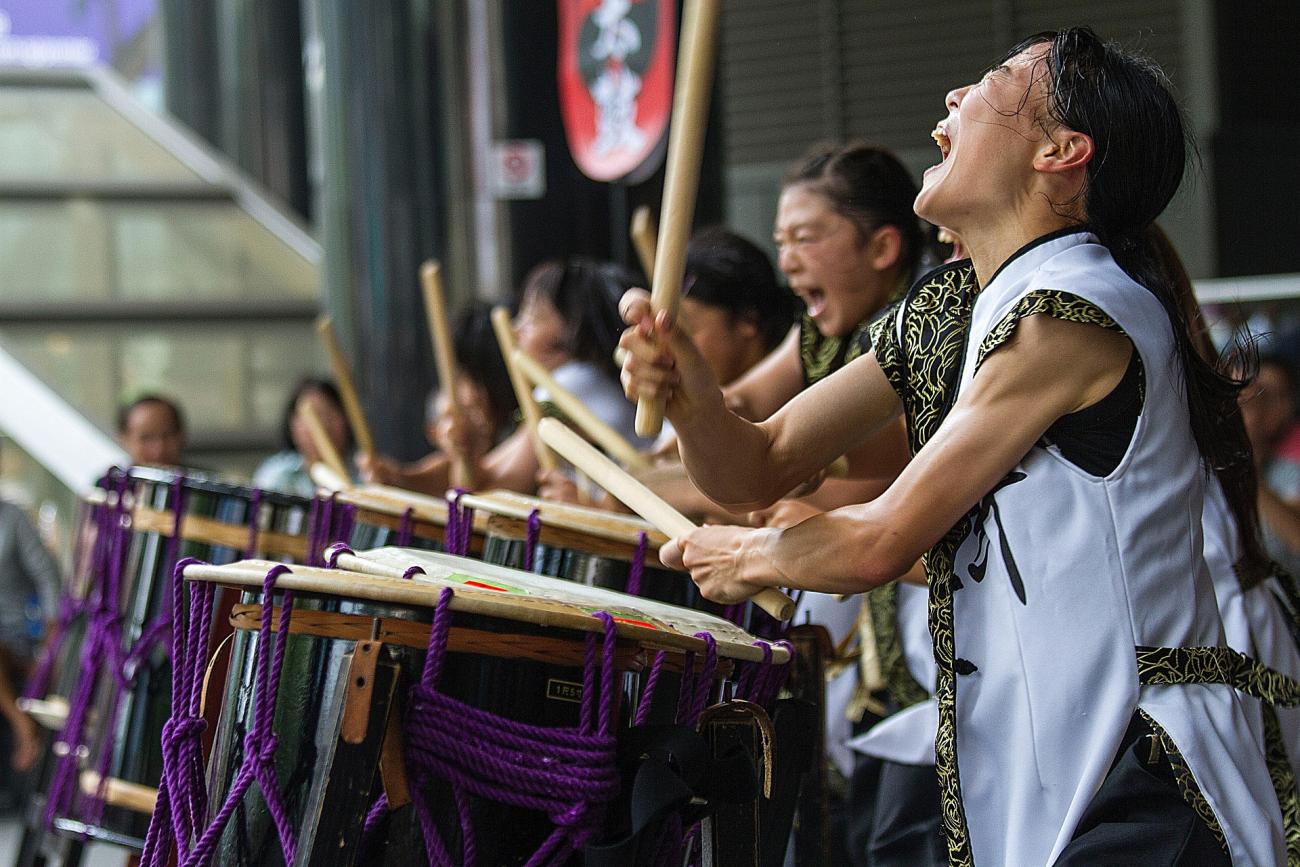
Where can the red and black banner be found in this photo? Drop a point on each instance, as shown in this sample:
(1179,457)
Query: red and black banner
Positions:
(616,84)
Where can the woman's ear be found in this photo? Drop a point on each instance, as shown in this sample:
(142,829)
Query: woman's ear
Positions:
(885,247)
(1065,151)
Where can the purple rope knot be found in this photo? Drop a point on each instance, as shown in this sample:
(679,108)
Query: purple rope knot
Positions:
(261,748)
(334,552)
(569,774)
(531,539)
(412,571)
(460,525)
(637,567)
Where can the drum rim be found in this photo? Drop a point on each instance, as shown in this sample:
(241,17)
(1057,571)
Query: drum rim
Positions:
(423,594)
(613,526)
(211,484)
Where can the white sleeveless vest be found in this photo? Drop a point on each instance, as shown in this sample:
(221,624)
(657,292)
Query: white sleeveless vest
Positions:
(1064,577)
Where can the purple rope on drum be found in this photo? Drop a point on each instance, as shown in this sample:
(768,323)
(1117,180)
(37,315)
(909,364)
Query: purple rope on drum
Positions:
(569,774)
(694,695)
(182,781)
(70,607)
(637,567)
(460,525)
(761,682)
(532,538)
(405,528)
(334,552)
(103,649)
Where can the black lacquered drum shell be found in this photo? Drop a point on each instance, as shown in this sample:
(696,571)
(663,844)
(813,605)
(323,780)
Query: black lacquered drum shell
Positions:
(133,743)
(309,707)
(379,513)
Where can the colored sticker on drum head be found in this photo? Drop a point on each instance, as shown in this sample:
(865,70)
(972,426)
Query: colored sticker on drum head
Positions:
(631,618)
(486,584)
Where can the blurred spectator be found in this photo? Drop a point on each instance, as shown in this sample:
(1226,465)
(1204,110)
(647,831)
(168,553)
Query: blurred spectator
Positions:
(287,470)
(27,572)
(1268,410)
(152,431)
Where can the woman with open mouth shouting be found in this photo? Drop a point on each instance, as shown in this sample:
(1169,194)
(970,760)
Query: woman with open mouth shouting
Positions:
(1089,711)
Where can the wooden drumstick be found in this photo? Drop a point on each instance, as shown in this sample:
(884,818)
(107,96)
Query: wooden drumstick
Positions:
(347,388)
(523,391)
(583,418)
(324,447)
(444,353)
(640,499)
(696,56)
(643,238)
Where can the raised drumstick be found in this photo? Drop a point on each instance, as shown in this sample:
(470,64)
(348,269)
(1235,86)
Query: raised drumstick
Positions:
(347,388)
(324,447)
(643,238)
(583,418)
(640,499)
(523,391)
(435,307)
(696,56)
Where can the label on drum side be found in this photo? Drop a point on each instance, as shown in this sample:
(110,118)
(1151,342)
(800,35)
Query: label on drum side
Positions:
(563,690)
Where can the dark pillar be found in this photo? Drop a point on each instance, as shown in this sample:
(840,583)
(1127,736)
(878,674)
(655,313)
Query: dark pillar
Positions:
(263,121)
(379,201)
(190,64)
(1254,182)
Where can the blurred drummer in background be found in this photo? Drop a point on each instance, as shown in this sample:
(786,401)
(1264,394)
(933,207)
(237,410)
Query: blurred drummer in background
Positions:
(287,470)
(569,323)
(152,431)
(736,312)
(486,400)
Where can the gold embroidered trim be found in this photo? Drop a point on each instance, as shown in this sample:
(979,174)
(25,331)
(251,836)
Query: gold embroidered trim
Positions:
(1186,782)
(1284,783)
(1053,302)
(1188,665)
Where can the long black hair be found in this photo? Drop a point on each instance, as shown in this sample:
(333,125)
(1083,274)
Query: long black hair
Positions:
(585,293)
(728,271)
(867,185)
(1124,103)
(307,384)
(479,355)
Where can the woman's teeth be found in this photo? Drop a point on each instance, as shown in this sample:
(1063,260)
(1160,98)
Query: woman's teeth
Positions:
(942,140)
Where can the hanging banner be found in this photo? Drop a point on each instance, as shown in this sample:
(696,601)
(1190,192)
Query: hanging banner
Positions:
(616,84)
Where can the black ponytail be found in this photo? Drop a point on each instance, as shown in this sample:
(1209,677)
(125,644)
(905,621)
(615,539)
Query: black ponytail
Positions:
(1123,102)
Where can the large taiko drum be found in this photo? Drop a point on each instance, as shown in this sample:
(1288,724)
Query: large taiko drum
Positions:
(590,546)
(108,753)
(379,515)
(445,705)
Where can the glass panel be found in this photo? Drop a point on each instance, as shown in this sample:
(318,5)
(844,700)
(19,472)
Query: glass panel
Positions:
(231,379)
(203,250)
(51,507)
(50,134)
(80,249)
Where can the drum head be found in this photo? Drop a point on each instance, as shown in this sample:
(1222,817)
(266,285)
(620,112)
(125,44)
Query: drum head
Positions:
(569,516)
(509,594)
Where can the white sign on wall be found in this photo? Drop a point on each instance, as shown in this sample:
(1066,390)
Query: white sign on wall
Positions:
(518,169)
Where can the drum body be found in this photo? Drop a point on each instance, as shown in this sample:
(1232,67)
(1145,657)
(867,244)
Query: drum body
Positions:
(520,650)
(385,516)
(313,698)
(131,707)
